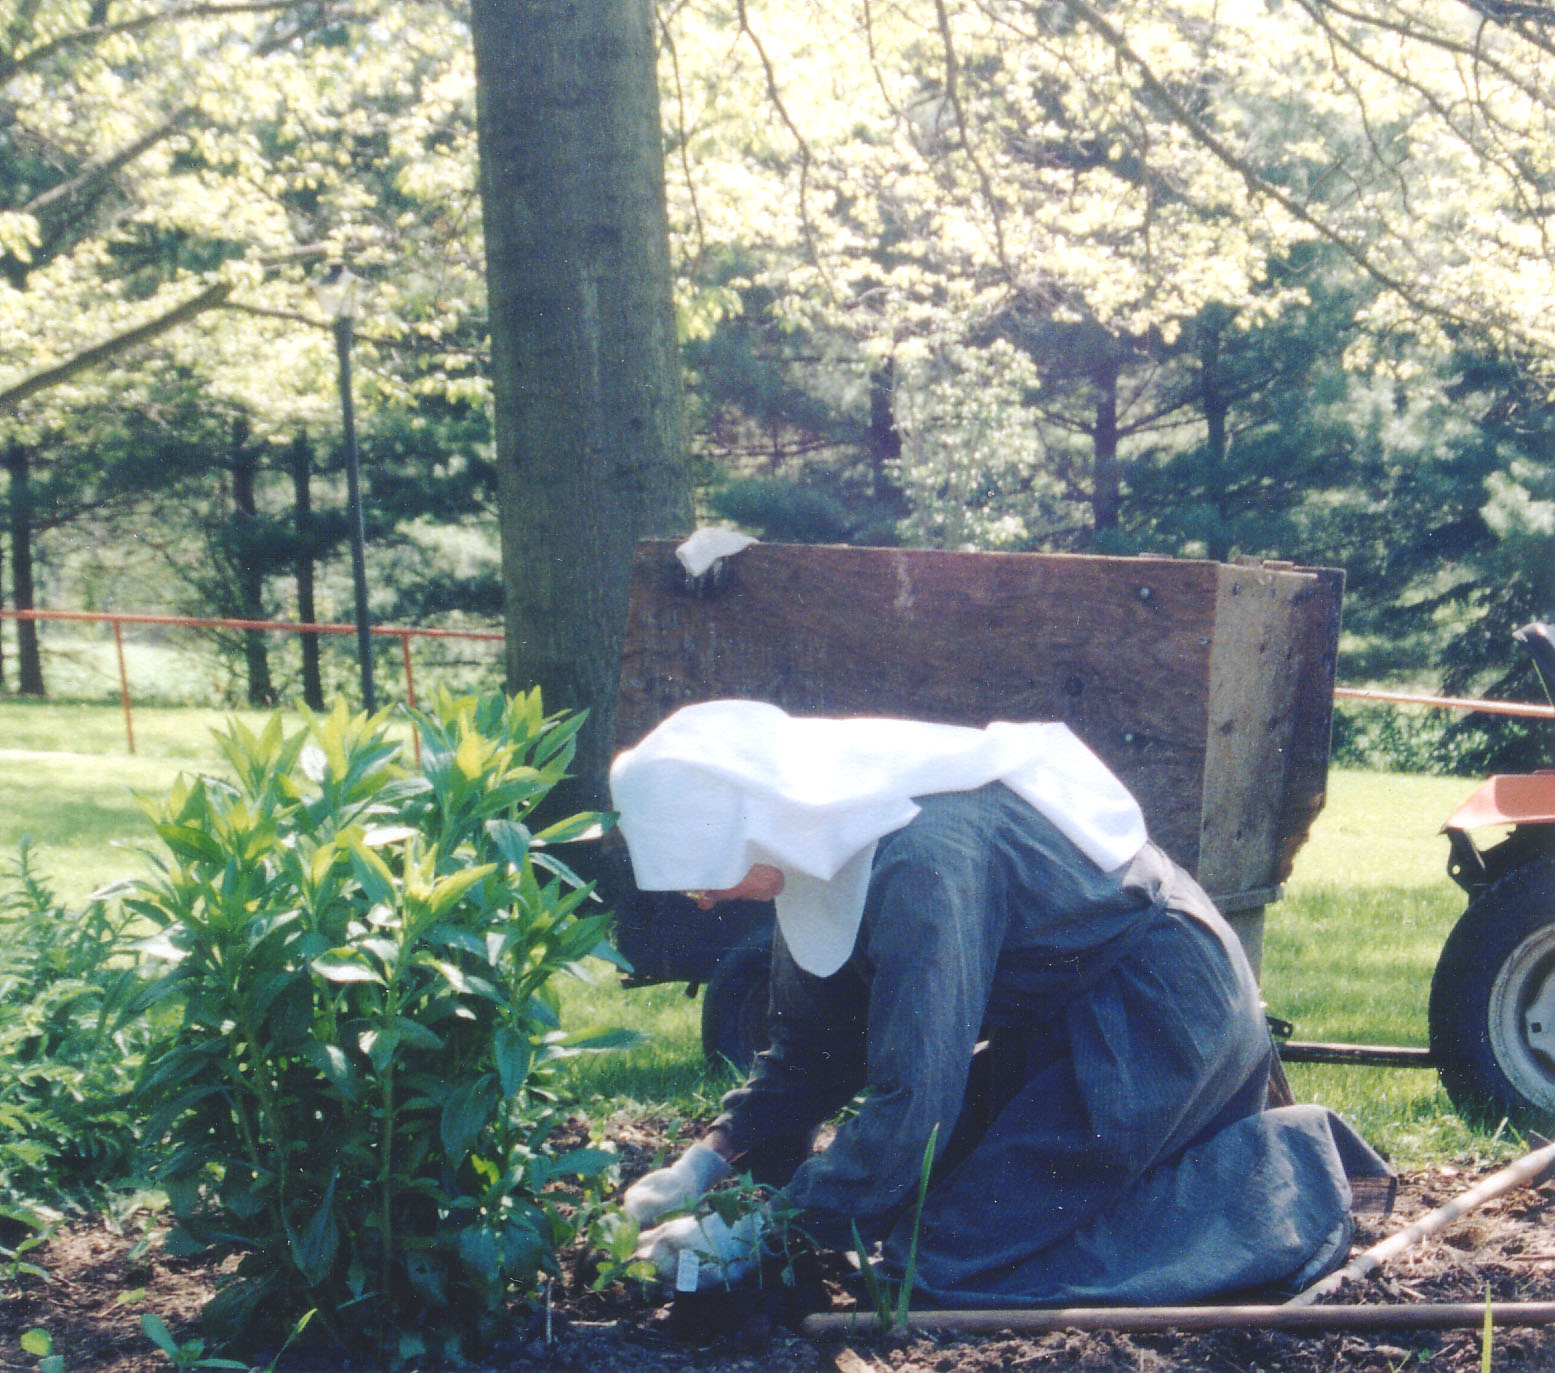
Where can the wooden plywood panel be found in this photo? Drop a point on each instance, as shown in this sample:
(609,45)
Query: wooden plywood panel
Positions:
(1118,648)
(1306,779)
(1254,687)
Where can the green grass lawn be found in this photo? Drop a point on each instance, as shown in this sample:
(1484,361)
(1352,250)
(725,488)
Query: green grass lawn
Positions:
(1348,953)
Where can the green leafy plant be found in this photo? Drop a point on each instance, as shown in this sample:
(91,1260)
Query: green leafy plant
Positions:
(360,1095)
(68,1050)
(23,1230)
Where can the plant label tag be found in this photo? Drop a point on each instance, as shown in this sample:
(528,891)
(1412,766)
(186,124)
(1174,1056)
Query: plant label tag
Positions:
(688,1269)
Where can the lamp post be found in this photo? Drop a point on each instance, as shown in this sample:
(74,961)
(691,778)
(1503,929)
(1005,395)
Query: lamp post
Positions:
(336,292)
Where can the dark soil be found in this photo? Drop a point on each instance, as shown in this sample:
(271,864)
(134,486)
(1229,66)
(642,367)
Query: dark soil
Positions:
(99,1286)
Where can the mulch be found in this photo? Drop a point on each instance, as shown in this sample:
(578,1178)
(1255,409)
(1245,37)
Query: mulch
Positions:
(100,1282)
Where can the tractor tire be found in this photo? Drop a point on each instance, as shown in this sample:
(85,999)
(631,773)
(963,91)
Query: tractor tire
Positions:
(1492,1008)
(734,1005)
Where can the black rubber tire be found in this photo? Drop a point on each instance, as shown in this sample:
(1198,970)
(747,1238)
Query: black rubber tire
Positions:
(734,1005)
(1492,1008)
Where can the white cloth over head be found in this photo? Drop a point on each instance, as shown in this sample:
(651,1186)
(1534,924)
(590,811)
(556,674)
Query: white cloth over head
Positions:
(724,785)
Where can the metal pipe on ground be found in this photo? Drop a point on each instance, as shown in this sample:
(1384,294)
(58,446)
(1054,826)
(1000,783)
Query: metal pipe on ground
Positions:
(1148,1319)
(1530,1168)
(1362,1055)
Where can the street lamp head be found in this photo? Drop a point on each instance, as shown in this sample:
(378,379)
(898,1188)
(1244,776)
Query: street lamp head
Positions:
(336,292)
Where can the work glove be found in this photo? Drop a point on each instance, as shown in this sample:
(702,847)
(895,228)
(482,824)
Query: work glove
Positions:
(694,1253)
(674,1188)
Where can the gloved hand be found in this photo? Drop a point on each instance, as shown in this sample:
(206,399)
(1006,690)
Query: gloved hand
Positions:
(680,1185)
(725,1253)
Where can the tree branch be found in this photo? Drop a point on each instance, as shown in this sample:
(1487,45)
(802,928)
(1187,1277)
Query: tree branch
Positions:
(11,65)
(99,169)
(775,96)
(953,94)
(1254,180)
(112,347)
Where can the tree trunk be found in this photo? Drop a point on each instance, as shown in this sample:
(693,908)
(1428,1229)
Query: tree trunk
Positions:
(589,424)
(885,439)
(1216,406)
(2,624)
(250,575)
(301,458)
(1106,476)
(29,658)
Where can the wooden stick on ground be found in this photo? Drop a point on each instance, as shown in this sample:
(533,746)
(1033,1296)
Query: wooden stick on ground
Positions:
(1529,1168)
(1145,1319)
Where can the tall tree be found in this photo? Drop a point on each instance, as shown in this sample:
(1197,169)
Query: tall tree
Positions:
(299,459)
(585,374)
(18,466)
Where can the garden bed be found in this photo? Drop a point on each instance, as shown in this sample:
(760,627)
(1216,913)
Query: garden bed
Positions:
(99,1286)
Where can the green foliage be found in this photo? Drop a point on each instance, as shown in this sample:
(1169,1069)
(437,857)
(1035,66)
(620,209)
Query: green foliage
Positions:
(1396,740)
(68,1051)
(784,511)
(359,1097)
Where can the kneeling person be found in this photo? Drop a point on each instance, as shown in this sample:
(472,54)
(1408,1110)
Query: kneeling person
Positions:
(973,926)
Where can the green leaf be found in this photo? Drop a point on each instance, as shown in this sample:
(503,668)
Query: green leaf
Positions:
(374,875)
(190,844)
(465,1114)
(910,1269)
(514,1054)
(602,1040)
(315,766)
(181,1244)
(447,893)
(879,1298)
(478,1251)
(155,1330)
(331,1061)
(346,965)
(466,941)
(554,865)
(167,946)
(583,1163)
(417,1035)
(183,1194)
(472,756)
(379,1046)
(585,825)
(315,1248)
(607,952)
(451,973)
(37,1342)
(511,838)
(378,836)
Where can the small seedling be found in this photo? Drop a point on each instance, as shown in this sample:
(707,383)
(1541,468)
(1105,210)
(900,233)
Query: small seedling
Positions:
(40,1344)
(189,1354)
(892,1314)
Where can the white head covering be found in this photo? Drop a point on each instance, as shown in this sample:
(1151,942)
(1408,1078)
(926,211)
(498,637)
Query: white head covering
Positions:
(724,785)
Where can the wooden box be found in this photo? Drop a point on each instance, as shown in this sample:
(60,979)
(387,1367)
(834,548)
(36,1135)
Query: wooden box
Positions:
(1207,687)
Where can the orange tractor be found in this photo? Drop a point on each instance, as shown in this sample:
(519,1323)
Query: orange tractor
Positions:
(1492,1008)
